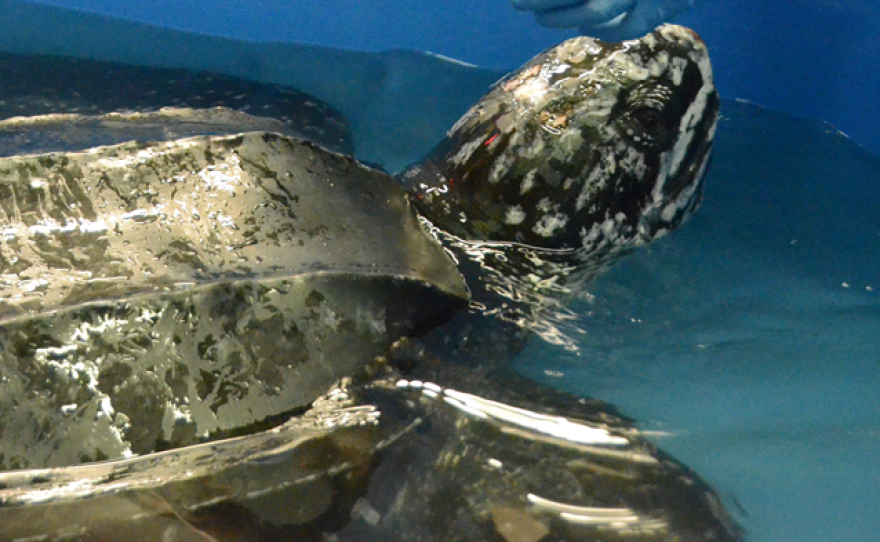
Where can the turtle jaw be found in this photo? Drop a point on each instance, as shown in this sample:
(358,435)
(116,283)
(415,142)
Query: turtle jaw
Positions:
(677,203)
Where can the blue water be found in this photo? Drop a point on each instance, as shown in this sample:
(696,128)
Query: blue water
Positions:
(751,336)
(749,340)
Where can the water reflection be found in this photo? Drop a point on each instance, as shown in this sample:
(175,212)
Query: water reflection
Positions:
(529,287)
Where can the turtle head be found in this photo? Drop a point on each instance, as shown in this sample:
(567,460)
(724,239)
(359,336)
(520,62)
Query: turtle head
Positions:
(591,146)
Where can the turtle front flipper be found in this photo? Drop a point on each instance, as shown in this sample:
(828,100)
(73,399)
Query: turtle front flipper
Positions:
(160,295)
(479,469)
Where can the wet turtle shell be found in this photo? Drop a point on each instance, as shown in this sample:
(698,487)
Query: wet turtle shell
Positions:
(127,263)
(158,295)
(160,299)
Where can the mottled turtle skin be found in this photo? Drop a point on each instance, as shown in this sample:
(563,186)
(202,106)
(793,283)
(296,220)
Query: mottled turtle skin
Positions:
(251,337)
(590,147)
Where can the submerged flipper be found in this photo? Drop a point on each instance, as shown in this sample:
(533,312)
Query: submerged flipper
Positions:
(37,85)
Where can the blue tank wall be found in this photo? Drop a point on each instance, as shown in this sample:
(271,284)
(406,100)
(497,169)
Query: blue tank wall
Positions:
(807,57)
(488,33)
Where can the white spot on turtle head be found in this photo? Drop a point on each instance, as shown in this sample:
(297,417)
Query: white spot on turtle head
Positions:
(598,179)
(548,224)
(501,167)
(515,215)
(676,70)
(528,182)
(465,151)
(505,122)
(532,149)
(570,140)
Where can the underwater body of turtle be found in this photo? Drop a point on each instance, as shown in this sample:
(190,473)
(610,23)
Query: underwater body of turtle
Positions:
(161,299)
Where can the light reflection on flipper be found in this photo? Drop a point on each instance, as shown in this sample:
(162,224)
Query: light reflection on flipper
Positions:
(520,421)
(519,474)
(622,520)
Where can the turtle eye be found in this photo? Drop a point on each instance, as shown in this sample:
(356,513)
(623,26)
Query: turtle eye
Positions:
(645,117)
(646,126)
(649,118)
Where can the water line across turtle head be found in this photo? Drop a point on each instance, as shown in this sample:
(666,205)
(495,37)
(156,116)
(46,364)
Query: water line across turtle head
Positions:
(592,147)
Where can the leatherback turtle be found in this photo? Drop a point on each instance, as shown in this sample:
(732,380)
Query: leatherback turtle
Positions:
(238,334)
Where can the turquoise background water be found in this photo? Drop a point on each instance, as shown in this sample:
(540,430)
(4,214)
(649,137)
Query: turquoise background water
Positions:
(749,340)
